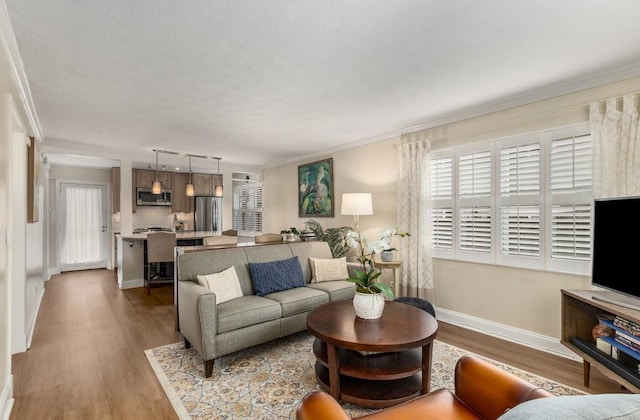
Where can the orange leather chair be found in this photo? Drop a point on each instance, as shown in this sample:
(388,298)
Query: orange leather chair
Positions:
(482,391)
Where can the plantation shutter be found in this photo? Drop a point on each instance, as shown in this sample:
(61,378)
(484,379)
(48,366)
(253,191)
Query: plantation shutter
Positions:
(441,191)
(474,193)
(520,224)
(570,183)
(247,209)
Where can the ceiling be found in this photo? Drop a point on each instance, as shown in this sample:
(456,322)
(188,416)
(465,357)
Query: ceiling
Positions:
(267,82)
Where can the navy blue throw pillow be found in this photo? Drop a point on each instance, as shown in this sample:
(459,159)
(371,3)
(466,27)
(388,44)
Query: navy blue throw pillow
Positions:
(276,276)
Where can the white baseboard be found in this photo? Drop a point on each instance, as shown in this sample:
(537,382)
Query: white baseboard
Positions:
(32,323)
(53,271)
(131,284)
(505,332)
(6,398)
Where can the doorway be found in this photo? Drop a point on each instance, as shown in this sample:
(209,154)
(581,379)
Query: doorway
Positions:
(82,224)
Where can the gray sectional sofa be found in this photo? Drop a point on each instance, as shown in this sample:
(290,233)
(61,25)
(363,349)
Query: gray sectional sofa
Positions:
(219,329)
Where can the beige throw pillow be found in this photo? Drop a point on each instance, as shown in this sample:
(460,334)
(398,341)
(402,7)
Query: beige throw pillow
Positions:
(328,269)
(224,284)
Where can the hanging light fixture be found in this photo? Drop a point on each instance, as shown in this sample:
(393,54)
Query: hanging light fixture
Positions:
(190,190)
(217,192)
(156,187)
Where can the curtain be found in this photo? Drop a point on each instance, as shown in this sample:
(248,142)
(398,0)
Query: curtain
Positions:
(416,278)
(81,239)
(616,148)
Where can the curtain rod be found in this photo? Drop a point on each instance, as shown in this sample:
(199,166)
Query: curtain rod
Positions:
(168,152)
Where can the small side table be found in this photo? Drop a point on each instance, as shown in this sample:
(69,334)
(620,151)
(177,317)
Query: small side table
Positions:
(394,265)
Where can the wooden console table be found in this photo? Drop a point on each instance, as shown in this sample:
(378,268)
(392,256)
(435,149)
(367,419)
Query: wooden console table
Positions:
(579,315)
(401,371)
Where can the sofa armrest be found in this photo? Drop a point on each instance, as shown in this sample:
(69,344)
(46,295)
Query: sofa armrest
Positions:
(198,316)
(489,390)
(317,405)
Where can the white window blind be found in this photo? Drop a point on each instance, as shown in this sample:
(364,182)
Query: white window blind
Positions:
(570,212)
(524,201)
(441,191)
(247,209)
(475,174)
(475,229)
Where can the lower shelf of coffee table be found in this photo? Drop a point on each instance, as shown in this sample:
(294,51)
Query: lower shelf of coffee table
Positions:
(371,393)
(383,366)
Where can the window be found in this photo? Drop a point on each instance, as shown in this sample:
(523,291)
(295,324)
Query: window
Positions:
(247,209)
(523,201)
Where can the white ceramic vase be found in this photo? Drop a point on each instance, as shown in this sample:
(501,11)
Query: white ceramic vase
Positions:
(386,256)
(368,306)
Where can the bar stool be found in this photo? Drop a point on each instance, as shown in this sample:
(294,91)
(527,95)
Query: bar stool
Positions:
(160,253)
(220,240)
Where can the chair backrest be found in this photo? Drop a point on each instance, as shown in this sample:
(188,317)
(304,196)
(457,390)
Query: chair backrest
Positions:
(160,247)
(268,238)
(220,240)
(230,232)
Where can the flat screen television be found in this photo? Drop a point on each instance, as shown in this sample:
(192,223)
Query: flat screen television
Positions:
(616,251)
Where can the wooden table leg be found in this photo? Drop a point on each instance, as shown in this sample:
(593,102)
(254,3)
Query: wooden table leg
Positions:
(334,368)
(426,367)
(586,371)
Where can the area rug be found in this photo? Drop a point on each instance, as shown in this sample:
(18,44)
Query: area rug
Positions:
(268,381)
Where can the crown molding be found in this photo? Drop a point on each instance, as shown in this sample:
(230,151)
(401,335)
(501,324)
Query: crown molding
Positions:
(16,67)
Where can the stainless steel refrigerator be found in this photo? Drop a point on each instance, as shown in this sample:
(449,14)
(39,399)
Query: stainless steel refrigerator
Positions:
(208,214)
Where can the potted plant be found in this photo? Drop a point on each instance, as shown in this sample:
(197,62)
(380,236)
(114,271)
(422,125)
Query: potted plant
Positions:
(387,235)
(289,235)
(368,301)
(333,236)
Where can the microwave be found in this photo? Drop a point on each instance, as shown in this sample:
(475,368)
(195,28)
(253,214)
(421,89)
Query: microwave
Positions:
(146,198)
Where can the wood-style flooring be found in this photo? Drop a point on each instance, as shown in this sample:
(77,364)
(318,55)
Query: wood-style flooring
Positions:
(87,356)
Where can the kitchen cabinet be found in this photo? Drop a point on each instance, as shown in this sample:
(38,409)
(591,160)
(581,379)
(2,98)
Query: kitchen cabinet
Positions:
(179,200)
(115,190)
(203,184)
(145,177)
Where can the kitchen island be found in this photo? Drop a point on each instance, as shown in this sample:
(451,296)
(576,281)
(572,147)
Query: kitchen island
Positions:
(131,254)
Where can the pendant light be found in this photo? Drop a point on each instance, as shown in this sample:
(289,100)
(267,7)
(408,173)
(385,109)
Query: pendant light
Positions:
(190,190)
(217,192)
(156,187)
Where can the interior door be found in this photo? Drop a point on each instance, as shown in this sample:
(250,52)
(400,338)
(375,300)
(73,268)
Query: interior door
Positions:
(82,226)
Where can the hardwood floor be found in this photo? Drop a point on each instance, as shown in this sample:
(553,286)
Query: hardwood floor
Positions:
(87,357)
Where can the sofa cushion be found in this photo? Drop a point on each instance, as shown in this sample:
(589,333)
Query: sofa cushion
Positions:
(299,300)
(328,269)
(224,284)
(245,311)
(598,406)
(337,290)
(276,276)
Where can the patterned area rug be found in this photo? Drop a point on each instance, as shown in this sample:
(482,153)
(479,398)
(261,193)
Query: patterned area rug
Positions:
(268,381)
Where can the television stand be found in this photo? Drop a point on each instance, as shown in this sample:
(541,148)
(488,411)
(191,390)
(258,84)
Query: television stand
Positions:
(580,310)
(617,299)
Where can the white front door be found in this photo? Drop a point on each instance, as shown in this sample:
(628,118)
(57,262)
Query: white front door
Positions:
(83,226)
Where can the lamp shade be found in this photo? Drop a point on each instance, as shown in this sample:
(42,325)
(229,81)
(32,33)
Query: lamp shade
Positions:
(190,190)
(217,191)
(356,204)
(156,187)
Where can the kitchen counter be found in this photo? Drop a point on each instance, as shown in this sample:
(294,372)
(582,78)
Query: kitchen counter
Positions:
(131,254)
(180,235)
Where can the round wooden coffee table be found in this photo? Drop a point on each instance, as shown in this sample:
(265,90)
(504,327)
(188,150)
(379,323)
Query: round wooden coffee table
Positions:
(372,363)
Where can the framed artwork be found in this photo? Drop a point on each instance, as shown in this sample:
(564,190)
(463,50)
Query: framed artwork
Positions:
(315,189)
(33,190)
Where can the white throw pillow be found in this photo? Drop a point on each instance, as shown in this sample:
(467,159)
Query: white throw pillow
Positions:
(224,284)
(328,269)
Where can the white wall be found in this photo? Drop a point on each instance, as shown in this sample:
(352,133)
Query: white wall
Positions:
(515,302)
(370,168)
